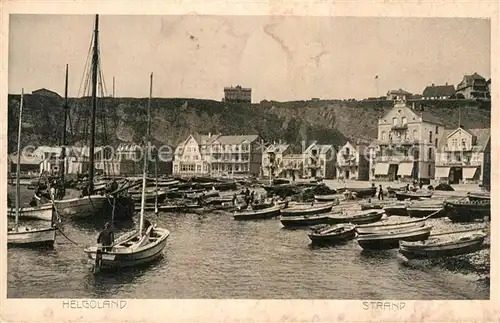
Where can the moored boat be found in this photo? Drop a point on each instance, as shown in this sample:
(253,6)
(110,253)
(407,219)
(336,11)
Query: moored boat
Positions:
(307,209)
(304,220)
(330,234)
(390,239)
(416,211)
(326,198)
(396,209)
(479,196)
(266,213)
(24,236)
(443,246)
(40,212)
(467,211)
(403,195)
(357,217)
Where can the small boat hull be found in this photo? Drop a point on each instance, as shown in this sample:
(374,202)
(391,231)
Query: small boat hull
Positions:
(390,240)
(303,210)
(123,259)
(267,213)
(397,210)
(334,234)
(454,248)
(385,230)
(42,212)
(422,212)
(326,198)
(304,220)
(81,207)
(26,237)
(467,211)
(363,217)
(401,196)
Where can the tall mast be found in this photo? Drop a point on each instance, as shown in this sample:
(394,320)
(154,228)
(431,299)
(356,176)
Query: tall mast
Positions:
(146,156)
(95,61)
(18,168)
(64,143)
(113,86)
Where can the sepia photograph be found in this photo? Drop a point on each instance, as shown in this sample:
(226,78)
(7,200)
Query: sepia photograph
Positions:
(248,157)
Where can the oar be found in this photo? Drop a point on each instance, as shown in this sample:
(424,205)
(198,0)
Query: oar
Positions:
(458,231)
(432,214)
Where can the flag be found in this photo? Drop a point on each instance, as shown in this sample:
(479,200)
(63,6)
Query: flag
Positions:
(376,76)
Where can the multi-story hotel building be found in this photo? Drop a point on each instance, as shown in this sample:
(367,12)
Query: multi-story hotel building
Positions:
(217,155)
(406,145)
(237,94)
(463,155)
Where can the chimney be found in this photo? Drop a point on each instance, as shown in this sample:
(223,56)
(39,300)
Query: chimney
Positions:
(432,84)
(446,83)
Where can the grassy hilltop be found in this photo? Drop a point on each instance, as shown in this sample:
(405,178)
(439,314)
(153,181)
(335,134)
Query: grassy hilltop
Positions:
(330,121)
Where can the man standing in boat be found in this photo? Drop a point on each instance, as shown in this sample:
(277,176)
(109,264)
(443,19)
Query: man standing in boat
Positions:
(106,237)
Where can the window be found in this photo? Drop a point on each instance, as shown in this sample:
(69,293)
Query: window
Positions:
(437,130)
(429,170)
(394,121)
(382,136)
(198,168)
(430,153)
(454,142)
(403,120)
(415,134)
(430,137)
(436,142)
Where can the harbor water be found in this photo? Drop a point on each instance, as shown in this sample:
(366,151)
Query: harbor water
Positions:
(214,256)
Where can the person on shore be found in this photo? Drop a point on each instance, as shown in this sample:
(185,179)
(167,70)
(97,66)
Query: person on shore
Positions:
(421,185)
(408,187)
(106,237)
(380,193)
(234,199)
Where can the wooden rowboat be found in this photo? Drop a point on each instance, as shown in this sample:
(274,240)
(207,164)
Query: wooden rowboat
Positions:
(266,213)
(396,209)
(479,196)
(41,212)
(443,246)
(328,234)
(307,209)
(390,240)
(423,211)
(357,217)
(304,220)
(467,211)
(401,196)
(326,198)
(377,228)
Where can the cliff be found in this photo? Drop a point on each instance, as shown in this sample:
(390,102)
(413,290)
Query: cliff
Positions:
(122,120)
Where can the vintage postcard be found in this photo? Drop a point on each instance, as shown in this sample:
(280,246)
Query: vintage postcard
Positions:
(249,161)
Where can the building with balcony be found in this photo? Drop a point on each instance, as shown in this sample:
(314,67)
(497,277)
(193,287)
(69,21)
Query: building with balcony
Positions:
(438,92)
(353,162)
(406,145)
(217,155)
(319,161)
(272,158)
(398,95)
(463,155)
(237,94)
(473,87)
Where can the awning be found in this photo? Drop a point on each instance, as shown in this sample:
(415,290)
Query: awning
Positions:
(442,172)
(469,172)
(381,169)
(405,169)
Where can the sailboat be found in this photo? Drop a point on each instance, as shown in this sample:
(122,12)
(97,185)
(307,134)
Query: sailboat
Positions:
(24,235)
(84,206)
(138,246)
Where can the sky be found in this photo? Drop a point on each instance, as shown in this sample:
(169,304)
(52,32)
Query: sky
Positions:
(281,58)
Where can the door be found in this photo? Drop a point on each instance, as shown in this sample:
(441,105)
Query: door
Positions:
(347,174)
(313,173)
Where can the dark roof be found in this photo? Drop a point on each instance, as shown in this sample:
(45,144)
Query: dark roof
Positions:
(482,135)
(474,76)
(439,90)
(489,81)
(400,91)
(429,117)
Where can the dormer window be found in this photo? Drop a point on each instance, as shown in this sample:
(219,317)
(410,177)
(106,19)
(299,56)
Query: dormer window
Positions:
(394,121)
